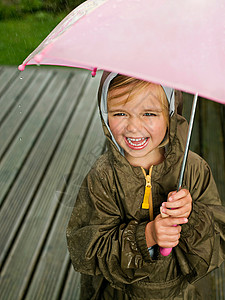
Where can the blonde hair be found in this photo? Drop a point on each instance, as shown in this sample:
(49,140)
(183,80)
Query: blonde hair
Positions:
(136,86)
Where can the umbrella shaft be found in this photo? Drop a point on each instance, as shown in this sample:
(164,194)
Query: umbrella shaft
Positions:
(188,141)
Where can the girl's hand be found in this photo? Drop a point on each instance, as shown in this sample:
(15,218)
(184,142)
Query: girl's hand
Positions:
(162,231)
(179,204)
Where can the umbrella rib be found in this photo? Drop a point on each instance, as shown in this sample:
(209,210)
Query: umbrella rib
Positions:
(188,141)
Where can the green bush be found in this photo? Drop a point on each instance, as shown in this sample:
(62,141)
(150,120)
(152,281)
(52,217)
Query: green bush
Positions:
(61,5)
(18,8)
(9,11)
(20,36)
(15,9)
(31,5)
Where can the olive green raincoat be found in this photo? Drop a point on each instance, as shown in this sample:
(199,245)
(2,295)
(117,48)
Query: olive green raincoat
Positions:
(106,232)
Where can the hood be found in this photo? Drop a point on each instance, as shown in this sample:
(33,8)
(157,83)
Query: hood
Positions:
(107,77)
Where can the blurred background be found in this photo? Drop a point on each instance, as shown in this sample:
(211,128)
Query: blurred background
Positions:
(25,23)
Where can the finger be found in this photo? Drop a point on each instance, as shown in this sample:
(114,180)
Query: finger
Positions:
(172,231)
(173,221)
(178,203)
(167,238)
(166,244)
(171,193)
(178,212)
(163,215)
(186,215)
(167,241)
(178,195)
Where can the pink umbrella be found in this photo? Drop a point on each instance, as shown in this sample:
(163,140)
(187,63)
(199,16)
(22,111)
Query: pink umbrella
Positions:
(175,43)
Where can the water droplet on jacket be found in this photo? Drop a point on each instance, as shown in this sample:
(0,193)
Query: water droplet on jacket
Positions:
(20,139)
(19,105)
(21,77)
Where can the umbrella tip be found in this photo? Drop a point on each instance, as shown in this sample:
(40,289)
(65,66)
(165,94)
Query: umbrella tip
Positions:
(93,73)
(21,67)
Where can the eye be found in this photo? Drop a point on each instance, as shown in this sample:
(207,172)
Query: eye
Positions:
(119,114)
(148,114)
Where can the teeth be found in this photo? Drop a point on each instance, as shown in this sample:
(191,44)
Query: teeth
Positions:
(137,140)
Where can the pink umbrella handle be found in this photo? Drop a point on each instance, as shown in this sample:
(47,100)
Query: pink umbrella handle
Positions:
(165,251)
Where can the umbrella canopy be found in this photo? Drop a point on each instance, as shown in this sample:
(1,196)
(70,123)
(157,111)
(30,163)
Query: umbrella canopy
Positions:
(175,43)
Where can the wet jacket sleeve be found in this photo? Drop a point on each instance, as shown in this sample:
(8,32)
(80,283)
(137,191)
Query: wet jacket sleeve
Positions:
(99,241)
(201,247)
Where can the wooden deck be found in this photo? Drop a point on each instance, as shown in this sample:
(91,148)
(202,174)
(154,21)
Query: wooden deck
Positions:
(50,136)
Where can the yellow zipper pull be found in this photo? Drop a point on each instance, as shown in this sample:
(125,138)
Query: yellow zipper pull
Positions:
(147,201)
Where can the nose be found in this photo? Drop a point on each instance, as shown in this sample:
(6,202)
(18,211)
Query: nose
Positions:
(134,125)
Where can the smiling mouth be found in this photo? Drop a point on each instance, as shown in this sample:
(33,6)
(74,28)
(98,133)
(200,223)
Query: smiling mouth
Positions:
(136,143)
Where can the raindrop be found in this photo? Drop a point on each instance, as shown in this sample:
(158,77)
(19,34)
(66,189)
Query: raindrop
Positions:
(21,77)
(20,112)
(19,105)
(20,139)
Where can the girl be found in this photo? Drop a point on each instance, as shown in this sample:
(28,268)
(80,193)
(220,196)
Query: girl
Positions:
(116,228)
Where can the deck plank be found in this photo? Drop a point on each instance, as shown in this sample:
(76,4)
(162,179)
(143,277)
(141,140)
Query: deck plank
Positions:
(18,114)
(213,146)
(17,88)
(30,130)
(72,286)
(7,76)
(44,281)
(20,196)
(41,214)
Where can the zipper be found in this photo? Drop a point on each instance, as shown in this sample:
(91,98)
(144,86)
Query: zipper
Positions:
(147,201)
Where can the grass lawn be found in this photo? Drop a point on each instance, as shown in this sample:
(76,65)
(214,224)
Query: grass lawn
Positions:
(19,37)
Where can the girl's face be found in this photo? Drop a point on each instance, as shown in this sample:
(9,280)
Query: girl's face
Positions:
(138,125)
